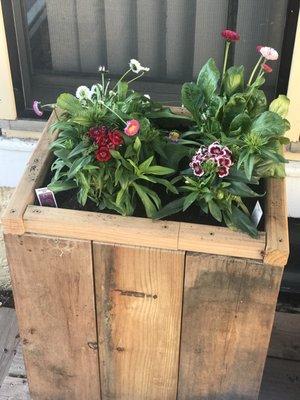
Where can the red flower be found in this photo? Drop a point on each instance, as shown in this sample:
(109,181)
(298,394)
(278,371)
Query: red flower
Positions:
(224,161)
(223,171)
(266,68)
(115,138)
(258,48)
(98,134)
(230,36)
(132,127)
(103,154)
(215,149)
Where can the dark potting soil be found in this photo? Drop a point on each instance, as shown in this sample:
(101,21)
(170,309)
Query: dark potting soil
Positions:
(68,200)
(7,299)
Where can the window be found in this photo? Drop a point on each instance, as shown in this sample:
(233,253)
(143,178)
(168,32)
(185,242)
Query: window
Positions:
(61,43)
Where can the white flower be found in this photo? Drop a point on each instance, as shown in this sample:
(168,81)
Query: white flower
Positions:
(136,66)
(102,68)
(147,96)
(83,92)
(269,53)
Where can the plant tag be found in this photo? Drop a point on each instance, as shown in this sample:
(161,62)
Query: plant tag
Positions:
(46,197)
(256,214)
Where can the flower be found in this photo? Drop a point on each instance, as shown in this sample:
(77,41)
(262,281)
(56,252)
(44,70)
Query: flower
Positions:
(215,149)
(174,136)
(223,161)
(258,48)
(115,138)
(266,68)
(36,108)
(147,96)
(269,53)
(103,154)
(230,36)
(132,127)
(223,171)
(197,168)
(136,66)
(102,68)
(83,92)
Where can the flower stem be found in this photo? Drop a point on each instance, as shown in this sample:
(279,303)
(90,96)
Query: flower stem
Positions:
(122,77)
(227,45)
(111,110)
(254,70)
(137,77)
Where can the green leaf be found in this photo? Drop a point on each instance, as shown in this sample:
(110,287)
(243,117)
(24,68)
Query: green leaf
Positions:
(80,148)
(215,211)
(122,90)
(148,204)
(269,124)
(256,103)
(143,167)
(280,105)
(233,80)
(208,79)
(158,170)
(171,208)
(78,165)
(235,106)
(70,103)
(167,113)
(137,144)
(60,186)
(241,189)
(243,222)
(189,200)
(192,97)
(242,121)
(249,165)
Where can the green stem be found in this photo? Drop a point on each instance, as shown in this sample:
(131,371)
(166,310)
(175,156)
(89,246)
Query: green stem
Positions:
(137,77)
(111,110)
(122,77)
(254,70)
(225,58)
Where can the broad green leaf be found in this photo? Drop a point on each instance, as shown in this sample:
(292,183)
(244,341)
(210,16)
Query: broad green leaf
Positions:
(233,80)
(167,113)
(280,105)
(189,200)
(192,97)
(241,189)
(78,165)
(143,167)
(242,121)
(148,204)
(80,148)
(269,124)
(172,208)
(249,165)
(70,103)
(208,79)
(158,170)
(122,90)
(257,103)
(235,106)
(137,144)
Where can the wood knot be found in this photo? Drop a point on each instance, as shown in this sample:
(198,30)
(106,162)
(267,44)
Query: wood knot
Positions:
(12,211)
(120,348)
(36,211)
(93,345)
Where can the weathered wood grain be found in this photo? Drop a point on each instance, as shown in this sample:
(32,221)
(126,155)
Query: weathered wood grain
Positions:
(276,225)
(33,176)
(8,339)
(139,299)
(228,312)
(53,288)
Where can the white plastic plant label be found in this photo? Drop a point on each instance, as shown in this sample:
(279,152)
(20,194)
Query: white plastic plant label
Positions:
(257,213)
(46,197)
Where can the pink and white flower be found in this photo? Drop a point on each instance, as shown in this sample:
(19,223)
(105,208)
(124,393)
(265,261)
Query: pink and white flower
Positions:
(36,108)
(132,127)
(223,171)
(269,53)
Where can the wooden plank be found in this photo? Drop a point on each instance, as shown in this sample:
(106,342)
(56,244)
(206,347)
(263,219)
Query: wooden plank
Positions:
(276,225)
(228,312)
(33,176)
(131,230)
(281,380)
(139,299)
(101,227)
(52,280)
(285,339)
(219,240)
(8,339)
(17,368)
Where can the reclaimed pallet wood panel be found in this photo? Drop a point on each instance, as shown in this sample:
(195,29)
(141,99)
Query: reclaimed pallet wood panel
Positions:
(52,280)
(138,301)
(228,312)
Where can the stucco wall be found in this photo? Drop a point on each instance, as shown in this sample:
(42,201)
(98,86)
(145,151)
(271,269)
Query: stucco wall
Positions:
(5,194)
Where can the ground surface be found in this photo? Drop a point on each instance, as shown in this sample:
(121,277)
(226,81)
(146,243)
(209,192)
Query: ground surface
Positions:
(5,194)
(281,379)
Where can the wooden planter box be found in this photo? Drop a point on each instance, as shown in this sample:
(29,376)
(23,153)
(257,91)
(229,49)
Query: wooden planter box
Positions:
(124,308)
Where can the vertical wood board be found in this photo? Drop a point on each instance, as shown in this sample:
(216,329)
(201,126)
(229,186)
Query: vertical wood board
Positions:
(53,289)
(228,312)
(139,299)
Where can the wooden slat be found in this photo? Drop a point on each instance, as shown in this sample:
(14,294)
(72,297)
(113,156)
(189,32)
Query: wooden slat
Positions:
(53,289)
(33,176)
(139,298)
(8,339)
(101,227)
(228,312)
(276,225)
(15,389)
(219,240)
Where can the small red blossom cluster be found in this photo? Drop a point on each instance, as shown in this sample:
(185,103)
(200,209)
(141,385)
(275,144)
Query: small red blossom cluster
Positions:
(230,36)
(216,153)
(105,139)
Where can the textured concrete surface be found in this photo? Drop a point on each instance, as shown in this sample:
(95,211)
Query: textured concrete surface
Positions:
(5,194)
